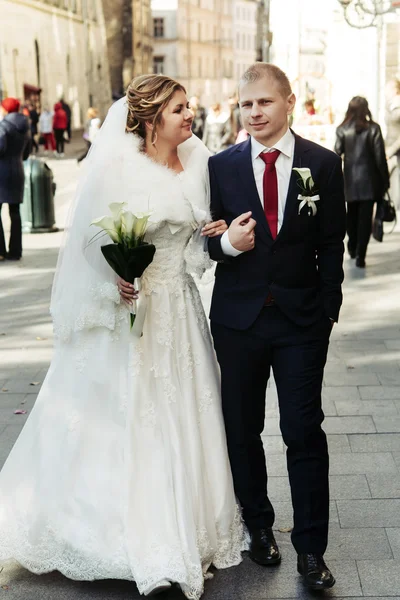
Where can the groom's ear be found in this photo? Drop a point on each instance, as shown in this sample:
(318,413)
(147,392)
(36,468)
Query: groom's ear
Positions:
(291,103)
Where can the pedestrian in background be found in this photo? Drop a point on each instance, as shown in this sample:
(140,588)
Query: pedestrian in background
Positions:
(393,129)
(34,120)
(366,176)
(67,109)
(60,124)
(214,127)
(14,148)
(92,127)
(233,124)
(46,129)
(199,116)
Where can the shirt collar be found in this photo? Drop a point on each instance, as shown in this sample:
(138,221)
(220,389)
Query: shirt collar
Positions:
(285,145)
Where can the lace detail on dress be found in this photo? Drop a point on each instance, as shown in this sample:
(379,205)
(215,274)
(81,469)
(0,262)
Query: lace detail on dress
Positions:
(200,316)
(108,291)
(83,351)
(109,315)
(206,400)
(165,329)
(188,360)
(169,391)
(196,256)
(135,358)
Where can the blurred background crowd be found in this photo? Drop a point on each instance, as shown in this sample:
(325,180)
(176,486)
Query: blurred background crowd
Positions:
(68,60)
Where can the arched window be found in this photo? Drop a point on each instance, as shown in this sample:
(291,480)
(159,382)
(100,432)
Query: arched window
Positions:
(37,57)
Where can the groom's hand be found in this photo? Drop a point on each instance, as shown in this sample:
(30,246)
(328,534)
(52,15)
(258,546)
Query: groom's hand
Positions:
(241,232)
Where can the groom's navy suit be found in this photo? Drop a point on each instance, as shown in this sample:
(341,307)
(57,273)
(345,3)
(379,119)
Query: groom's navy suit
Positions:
(301,270)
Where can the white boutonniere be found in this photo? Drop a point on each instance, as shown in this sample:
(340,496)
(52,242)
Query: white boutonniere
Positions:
(309,193)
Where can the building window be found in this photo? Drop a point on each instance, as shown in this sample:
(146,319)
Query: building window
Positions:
(158,65)
(158,27)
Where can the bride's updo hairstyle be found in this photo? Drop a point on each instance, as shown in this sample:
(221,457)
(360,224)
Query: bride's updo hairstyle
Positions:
(147,96)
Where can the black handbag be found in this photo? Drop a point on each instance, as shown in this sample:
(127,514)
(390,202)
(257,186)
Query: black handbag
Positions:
(387,210)
(385,213)
(377,229)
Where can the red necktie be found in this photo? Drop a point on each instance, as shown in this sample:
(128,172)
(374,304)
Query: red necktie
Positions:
(270,189)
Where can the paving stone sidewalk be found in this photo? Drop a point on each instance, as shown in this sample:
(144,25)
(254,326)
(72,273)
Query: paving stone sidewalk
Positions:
(361,397)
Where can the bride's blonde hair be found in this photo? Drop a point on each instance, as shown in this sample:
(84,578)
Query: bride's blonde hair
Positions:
(147,97)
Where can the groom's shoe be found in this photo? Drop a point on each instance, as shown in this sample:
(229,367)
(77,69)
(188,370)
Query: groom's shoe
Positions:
(316,574)
(263,548)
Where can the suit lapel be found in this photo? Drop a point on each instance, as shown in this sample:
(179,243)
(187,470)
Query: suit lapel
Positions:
(245,171)
(300,159)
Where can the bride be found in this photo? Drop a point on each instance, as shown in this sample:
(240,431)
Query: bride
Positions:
(122,471)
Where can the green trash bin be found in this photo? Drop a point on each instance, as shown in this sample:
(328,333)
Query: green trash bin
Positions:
(37,209)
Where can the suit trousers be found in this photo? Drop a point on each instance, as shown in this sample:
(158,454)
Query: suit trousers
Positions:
(15,246)
(359,226)
(297,356)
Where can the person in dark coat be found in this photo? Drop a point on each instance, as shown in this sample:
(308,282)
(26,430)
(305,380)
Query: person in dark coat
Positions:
(34,120)
(366,176)
(199,116)
(14,148)
(67,109)
(60,124)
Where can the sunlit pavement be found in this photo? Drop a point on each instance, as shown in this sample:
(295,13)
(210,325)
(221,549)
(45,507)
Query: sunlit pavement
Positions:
(362,406)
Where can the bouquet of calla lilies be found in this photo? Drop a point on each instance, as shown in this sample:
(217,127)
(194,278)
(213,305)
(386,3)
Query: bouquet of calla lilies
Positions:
(129,255)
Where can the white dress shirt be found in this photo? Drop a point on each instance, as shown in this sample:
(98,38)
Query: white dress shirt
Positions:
(283,165)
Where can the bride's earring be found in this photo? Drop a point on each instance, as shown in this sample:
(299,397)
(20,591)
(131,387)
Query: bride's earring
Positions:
(155,140)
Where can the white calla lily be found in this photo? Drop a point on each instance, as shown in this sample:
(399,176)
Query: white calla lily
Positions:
(116,209)
(108,225)
(306,176)
(140,225)
(128,221)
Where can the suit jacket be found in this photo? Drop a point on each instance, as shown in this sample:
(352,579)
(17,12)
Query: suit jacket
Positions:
(302,267)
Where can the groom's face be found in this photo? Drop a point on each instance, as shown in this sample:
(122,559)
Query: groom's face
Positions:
(265,110)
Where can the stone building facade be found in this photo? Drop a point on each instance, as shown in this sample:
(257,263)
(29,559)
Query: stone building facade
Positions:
(193,42)
(54,49)
(244,35)
(129,31)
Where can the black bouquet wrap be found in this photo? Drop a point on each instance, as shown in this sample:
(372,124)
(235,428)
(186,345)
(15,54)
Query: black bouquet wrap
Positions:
(129,263)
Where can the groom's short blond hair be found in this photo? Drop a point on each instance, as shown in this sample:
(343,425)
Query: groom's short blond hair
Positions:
(261,69)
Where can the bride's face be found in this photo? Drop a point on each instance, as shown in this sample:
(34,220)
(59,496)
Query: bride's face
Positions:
(176,123)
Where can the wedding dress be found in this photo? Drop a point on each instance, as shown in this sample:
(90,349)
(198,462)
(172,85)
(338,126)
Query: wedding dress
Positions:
(121,470)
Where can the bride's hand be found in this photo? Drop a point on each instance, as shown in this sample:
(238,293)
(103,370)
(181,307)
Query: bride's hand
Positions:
(215,228)
(126,291)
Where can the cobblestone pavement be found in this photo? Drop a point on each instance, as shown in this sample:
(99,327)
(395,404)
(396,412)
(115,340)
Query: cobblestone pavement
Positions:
(362,405)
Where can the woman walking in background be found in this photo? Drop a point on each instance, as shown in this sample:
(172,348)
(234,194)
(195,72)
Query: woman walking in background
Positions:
(14,148)
(214,128)
(60,124)
(92,127)
(366,177)
(46,129)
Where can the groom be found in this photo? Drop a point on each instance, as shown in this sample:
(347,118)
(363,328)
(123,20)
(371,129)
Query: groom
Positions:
(277,295)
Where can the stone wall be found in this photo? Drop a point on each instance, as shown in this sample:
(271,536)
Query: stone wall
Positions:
(60,50)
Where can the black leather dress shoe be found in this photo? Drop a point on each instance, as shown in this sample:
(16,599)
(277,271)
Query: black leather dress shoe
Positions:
(315,573)
(263,548)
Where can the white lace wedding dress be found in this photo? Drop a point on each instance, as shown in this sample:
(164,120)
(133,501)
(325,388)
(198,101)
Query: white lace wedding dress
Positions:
(121,470)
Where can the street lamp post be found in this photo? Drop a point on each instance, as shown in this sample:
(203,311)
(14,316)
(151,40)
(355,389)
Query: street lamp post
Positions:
(362,14)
